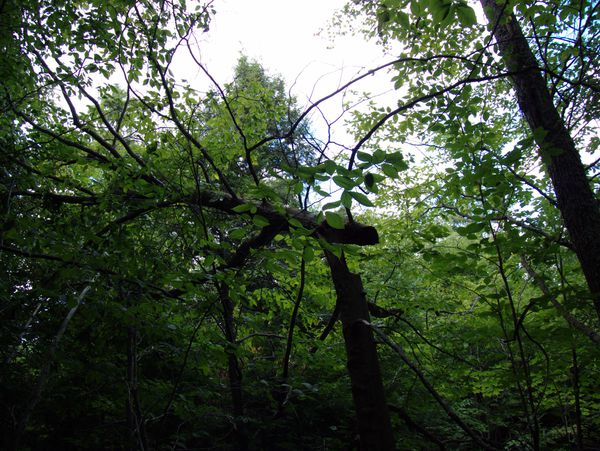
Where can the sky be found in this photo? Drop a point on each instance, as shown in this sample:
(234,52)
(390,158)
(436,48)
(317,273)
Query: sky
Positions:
(284,36)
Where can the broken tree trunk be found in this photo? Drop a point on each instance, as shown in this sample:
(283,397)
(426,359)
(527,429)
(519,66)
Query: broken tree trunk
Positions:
(374,425)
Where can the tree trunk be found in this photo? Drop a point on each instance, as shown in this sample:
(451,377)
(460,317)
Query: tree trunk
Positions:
(575,382)
(234,371)
(135,418)
(575,198)
(374,425)
(45,371)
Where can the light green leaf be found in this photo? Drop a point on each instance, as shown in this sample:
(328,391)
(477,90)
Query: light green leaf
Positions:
(243,208)
(346,199)
(295,223)
(344,182)
(331,205)
(260,221)
(362,199)
(334,220)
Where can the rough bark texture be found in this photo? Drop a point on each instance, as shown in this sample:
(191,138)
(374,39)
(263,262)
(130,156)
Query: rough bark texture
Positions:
(576,200)
(372,413)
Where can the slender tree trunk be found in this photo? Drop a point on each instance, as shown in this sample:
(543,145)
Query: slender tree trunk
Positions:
(523,365)
(431,389)
(46,370)
(372,413)
(234,371)
(290,340)
(575,198)
(569,318)
(412,424)
(575,380)
(284,389)
(135,420)
(24,330)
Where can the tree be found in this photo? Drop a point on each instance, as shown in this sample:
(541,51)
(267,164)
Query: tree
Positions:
(575,199)
(140,159)
(160,243)
(465,59)
(455,100)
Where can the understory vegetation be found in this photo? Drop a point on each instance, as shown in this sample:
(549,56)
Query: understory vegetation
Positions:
(187,268)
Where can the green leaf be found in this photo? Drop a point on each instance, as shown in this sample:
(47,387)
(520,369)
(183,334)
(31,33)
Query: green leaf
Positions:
(260,221)
(362,199)
(403,19)
(474,227)
(415,8)
(308,254)
(330,167)
(389,170)
(397,160)
(466,15)
(369,180)
(331,205)
(243,208)
(378,156)
(334,220)
(344,182)
(346,199)
(320,192)
(151,148)
(237,234)
(440,9)
(364,156)
(298,187)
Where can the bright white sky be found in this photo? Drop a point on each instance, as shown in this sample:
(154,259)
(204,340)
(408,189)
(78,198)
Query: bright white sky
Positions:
(283,35)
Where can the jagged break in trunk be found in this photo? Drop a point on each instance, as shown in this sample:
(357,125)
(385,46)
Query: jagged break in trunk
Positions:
(372,413)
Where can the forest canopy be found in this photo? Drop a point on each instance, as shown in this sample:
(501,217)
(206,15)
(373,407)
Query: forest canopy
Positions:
(189,268)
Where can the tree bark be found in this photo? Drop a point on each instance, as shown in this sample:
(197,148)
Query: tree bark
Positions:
(374,425)
(574,195)
(234,371)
